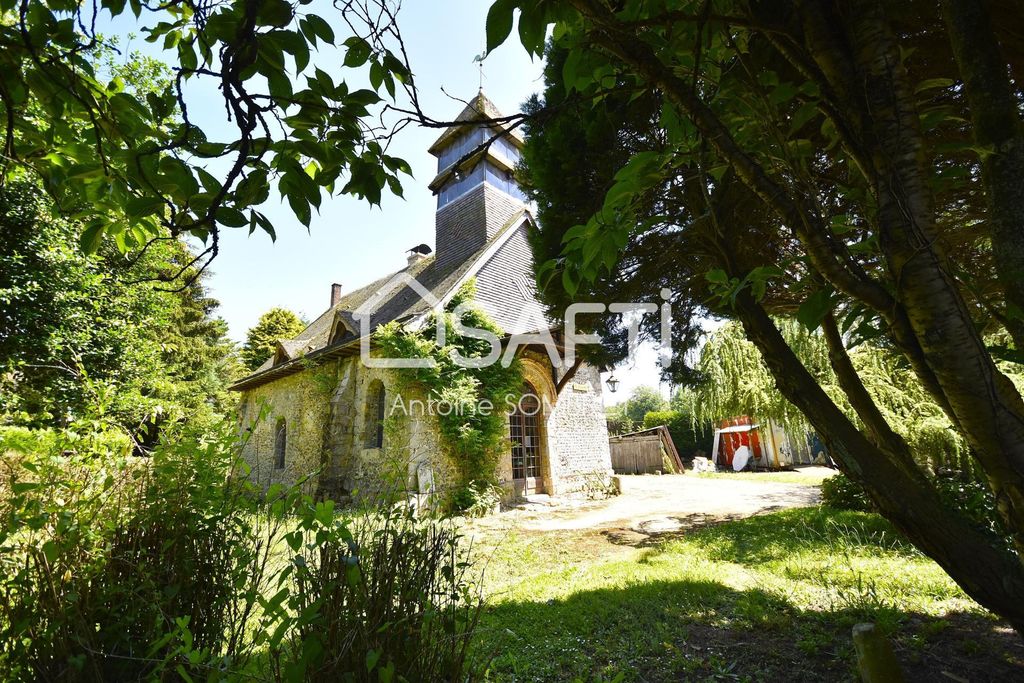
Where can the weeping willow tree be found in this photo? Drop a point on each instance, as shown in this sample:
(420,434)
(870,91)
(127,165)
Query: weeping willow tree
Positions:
(735,381)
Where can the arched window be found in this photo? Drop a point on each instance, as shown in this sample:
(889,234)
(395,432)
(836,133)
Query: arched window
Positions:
(280,443)
(375,405)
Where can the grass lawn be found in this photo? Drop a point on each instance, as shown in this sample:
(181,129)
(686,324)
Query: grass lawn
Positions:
(769,598)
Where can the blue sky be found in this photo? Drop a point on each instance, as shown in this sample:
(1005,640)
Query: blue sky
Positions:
(350,242)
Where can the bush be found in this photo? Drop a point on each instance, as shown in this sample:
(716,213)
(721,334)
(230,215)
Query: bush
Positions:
(974,500)
(618,422)
(169,568)
(22,441)
(842,493)
(118,568)
(379,598)
(476,499)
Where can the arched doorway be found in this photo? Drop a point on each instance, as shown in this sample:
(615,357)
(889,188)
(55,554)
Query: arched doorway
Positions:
(526,431)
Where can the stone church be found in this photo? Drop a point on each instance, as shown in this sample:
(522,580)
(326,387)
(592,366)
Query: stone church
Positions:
(315,414)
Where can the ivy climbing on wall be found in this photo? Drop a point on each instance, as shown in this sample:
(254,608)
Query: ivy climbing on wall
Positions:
(473,426)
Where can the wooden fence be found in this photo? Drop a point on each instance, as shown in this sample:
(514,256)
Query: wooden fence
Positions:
(644,452)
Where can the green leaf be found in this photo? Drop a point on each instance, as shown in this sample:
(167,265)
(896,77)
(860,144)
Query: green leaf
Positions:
(137,207)
(92,236)
(253,189)
(932,83)
(814,309)
(276,13)
(783,93)
(532,28)
(499,22)
(376,75)
(231,217)
(717,276)
(320,28)
(211,184)
(300,206)
(51,551)
(358,52)
(568,283)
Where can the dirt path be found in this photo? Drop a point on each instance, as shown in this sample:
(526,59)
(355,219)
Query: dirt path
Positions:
(654,505)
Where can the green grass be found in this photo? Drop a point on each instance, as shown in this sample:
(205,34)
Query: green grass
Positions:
(767,598)
(812,478)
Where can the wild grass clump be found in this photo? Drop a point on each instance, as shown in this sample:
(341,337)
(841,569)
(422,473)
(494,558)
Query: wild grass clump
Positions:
(380,597)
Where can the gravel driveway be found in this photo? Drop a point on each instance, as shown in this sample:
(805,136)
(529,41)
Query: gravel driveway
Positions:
(650,505)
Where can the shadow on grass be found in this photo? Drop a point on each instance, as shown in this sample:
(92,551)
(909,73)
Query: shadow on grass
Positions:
(773,537)
(704,630)
(701,628)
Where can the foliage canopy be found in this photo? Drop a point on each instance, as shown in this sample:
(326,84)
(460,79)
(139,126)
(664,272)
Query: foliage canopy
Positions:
(77,324)
(261,340)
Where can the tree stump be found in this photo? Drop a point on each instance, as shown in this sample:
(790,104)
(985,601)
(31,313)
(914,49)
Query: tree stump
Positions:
(876,661)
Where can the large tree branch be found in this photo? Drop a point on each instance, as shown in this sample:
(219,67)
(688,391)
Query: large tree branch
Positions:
(987,406)
(992,577)
(823,249)
(999,130)
(849,380)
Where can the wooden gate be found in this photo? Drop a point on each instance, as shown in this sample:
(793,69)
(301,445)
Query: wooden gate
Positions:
(645,452)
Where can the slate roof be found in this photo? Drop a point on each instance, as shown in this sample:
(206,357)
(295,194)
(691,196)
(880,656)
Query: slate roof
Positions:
(402,305)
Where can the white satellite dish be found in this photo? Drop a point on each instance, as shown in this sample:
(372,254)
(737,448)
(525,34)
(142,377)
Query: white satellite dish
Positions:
(740,458)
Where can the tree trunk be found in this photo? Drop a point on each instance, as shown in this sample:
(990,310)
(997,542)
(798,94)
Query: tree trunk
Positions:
(927,305)
(985,402)
(997,128)
(989,575)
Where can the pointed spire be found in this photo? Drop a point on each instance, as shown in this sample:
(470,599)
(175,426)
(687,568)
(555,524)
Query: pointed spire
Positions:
(478,108)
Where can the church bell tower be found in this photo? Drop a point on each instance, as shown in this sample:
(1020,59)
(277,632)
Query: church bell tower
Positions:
(476,192)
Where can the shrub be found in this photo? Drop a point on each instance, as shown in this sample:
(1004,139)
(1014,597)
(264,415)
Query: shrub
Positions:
(618,421)
(971,498)
(975,501)
(842,493)
(22,441)
(169,568)
(118,568)
(380,597)
(476,499)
